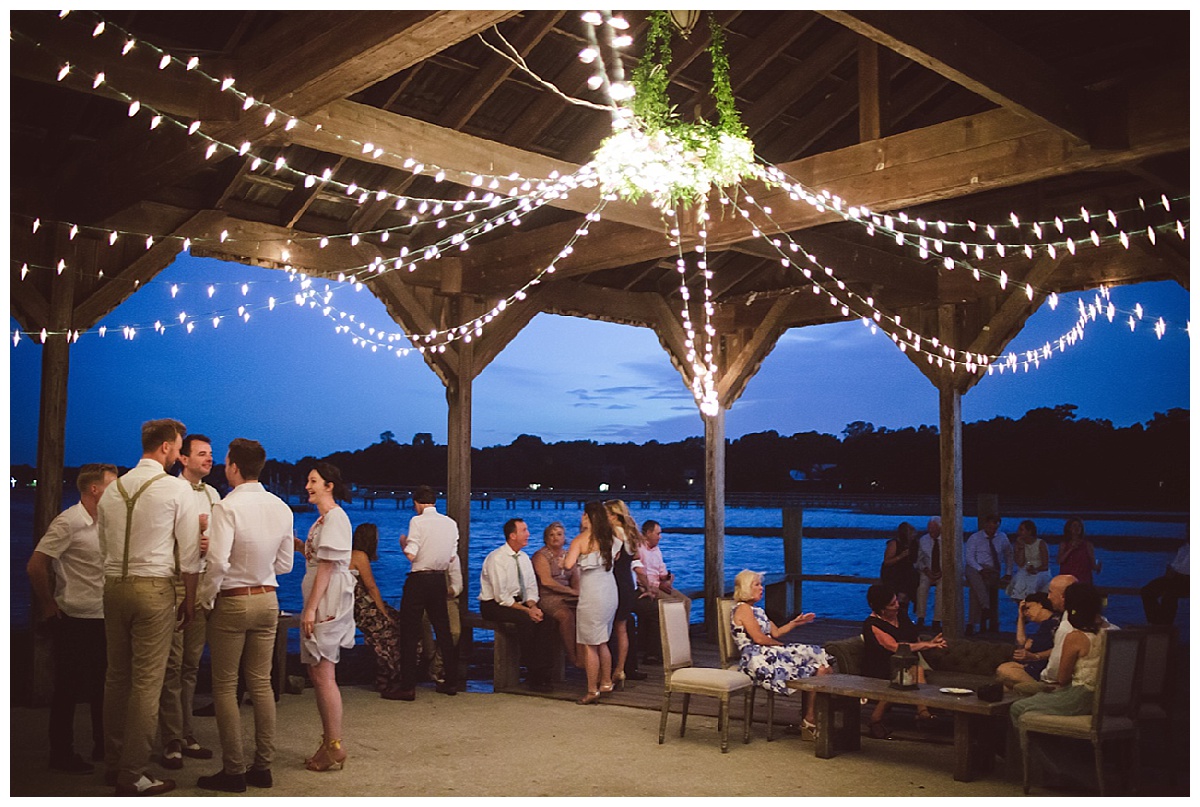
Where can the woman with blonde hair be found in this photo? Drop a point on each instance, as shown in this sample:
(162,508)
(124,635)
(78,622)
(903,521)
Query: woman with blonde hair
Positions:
(626,533)
(768,661)
(558,588)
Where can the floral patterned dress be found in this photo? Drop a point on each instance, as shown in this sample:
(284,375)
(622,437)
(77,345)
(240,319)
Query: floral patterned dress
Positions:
(329,539)
(381,633)
(772,667)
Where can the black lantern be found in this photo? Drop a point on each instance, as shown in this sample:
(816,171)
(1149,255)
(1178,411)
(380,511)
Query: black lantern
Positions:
(903,668)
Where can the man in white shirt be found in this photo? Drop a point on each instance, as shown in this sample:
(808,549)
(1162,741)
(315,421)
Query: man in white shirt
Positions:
(431,545)
(508,593)
(67,576)
(149,532)
(654,583)
(929,565)
(988,562)
(187,645)
(250,543)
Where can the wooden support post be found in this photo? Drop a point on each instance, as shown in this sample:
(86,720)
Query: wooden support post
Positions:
(950,443)
(872,91)
(793,565)
(714,519)
(458,480)
(51,443)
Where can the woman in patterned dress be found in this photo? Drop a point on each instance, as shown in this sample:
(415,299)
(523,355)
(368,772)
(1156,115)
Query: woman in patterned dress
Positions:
(558,588)
(770,662)
(375,618)
(327,621)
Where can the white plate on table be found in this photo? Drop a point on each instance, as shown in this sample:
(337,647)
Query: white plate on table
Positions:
(956,691)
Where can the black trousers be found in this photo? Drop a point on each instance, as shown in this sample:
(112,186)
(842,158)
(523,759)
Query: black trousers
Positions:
(425,593)
(1160,597)
(535,638)
(80,662)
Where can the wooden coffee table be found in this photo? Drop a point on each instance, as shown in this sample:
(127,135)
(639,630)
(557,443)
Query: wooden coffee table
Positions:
(978,734)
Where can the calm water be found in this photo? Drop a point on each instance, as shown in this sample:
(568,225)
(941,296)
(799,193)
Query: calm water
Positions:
(684,554)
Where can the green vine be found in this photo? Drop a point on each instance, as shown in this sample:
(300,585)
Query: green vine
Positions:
(729,120)
(651,105)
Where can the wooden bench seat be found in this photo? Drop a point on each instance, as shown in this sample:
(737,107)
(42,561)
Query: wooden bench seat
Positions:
(506,653)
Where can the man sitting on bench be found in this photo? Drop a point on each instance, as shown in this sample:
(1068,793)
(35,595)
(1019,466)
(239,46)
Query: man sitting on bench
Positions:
(508,593)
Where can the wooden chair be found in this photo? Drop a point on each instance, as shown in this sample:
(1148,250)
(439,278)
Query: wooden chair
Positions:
(680,676)
(730,657)
(1153,712)
(1114,708)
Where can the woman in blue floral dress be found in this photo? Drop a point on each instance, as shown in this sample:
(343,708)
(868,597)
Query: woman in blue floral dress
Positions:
(769,662)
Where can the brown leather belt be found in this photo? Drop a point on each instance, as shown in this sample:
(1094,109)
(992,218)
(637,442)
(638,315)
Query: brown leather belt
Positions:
(244,590)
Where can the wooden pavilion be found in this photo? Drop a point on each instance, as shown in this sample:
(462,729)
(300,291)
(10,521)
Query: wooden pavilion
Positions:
(949,116)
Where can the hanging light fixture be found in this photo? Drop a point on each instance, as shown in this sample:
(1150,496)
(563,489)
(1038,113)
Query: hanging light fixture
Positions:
(685,21)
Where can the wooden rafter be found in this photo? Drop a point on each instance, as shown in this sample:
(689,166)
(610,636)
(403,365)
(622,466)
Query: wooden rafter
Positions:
(303,64)
(741,366)
(991,150)
(802,78)
(968,53)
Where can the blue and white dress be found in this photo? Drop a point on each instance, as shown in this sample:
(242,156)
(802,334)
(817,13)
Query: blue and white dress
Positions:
(772,667)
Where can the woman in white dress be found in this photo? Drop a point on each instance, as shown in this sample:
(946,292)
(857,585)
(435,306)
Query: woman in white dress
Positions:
(594,550)
(1032,561)
(327,621)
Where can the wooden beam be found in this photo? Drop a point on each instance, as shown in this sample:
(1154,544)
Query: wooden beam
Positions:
(951,490)
(738,372)
(994,149)
(461,155)
(954,45)
(118,288)
(303,64)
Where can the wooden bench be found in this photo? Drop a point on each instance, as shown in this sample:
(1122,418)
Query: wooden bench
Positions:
(506,653)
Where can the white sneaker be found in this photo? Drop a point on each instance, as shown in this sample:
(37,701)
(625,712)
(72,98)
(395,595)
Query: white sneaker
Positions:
(146,786)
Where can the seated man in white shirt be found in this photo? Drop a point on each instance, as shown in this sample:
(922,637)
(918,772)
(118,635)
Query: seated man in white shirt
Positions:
(988,562)
(508,593)
(67,576)
(654,583)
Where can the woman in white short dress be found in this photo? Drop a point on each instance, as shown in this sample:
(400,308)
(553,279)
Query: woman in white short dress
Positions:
(594,550)
(1031,559)
(327,621)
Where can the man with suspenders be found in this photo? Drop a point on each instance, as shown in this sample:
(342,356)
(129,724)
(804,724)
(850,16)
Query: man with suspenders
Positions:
(187,645)
(148,522)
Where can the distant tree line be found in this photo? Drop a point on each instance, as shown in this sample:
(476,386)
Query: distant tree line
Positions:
(1048,454)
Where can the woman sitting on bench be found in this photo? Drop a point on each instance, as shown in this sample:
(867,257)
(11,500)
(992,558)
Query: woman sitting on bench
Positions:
(883,631)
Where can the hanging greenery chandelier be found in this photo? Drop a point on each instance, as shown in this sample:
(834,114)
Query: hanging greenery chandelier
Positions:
(654,152)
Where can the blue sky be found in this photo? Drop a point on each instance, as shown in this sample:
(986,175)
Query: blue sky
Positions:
(287,379)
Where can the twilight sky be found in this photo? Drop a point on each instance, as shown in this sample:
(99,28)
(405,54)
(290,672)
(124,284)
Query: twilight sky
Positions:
(287,379)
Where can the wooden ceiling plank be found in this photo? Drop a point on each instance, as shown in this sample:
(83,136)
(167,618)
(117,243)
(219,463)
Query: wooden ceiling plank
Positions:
(27,305)
(972,55)
(303,67)
(496,69)
(800,80)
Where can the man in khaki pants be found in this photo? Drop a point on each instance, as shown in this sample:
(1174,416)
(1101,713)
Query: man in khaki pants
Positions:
(179,684)
(250,542)
(147,520)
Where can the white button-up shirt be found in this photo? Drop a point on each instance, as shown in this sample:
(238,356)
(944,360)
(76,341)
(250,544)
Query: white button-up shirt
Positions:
(979,557)
(432,543)
(73,541)
(205,497)
(250,541)
(498,580)
(165,516)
